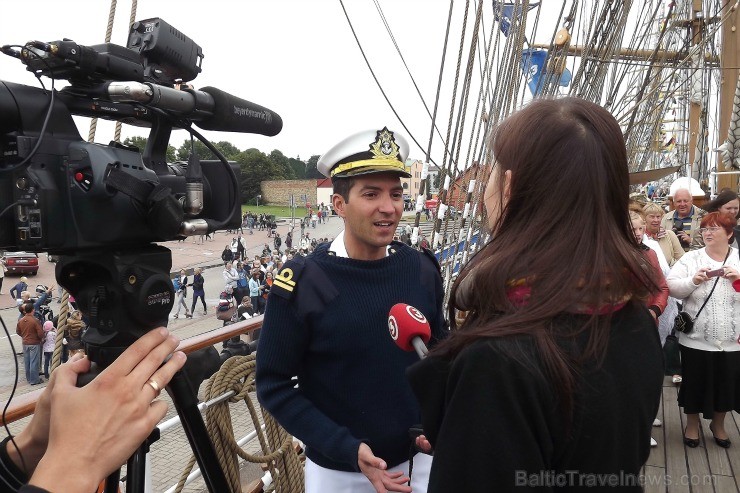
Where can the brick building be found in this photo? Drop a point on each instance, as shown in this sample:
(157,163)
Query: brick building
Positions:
(278,192)
(458,192)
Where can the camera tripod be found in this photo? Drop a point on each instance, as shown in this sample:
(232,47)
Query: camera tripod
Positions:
(124,295)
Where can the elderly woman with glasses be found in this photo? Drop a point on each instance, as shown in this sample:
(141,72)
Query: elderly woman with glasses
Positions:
(667,239)
(710,352)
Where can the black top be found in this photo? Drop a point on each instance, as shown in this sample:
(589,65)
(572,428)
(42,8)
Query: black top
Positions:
(495,425)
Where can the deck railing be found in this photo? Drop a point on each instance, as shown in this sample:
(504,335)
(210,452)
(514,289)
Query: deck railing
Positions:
(24,405)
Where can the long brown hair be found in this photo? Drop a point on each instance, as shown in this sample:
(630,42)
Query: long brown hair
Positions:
(564,231)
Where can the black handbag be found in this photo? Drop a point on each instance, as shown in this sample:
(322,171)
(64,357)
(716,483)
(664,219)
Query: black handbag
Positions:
(684,322)
(672,355)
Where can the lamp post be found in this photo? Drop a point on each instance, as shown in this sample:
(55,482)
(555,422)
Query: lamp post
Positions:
(258,200)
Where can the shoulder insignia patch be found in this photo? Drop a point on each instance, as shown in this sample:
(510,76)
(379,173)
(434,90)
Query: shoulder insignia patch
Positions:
(285,281)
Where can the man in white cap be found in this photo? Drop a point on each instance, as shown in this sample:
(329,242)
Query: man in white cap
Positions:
(327,323)
(684,220)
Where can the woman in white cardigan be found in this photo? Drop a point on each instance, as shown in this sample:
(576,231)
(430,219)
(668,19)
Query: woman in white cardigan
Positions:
(710,353)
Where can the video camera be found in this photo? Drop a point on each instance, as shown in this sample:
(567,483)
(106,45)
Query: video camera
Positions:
(101,207)
(67,194)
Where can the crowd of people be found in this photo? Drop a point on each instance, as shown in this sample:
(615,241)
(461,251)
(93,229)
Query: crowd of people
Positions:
(537,368)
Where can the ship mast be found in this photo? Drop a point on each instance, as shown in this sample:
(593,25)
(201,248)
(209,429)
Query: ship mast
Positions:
(696,97)
(729,63)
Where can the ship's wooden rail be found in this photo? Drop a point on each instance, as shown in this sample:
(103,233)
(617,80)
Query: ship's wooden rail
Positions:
(24,405)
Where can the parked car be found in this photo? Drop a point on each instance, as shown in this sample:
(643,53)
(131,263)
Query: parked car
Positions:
(21,262)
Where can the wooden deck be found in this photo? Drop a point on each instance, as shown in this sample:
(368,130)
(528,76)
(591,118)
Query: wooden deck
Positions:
(673,467)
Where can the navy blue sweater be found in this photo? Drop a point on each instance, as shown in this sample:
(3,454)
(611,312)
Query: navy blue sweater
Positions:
(331,332)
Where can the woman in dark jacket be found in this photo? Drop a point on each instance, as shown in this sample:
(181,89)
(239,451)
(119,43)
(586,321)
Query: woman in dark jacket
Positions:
(198,290)
(227,255)
(727,202)
(554,376)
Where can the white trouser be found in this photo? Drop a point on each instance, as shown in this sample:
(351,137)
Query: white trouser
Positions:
(322,480)
(181,303)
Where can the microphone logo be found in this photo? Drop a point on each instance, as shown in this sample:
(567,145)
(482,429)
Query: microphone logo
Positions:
(393,327)
(415,314)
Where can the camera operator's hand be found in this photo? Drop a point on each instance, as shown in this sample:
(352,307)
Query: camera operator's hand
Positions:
(97,427)
(661,233)
(34,438)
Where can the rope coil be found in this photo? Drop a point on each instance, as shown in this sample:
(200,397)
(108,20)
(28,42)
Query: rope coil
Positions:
(237,374)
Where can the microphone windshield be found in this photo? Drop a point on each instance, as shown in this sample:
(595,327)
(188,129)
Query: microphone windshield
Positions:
(232,114)
(406,322)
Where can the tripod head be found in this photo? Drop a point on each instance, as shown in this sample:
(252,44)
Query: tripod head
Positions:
(124,294)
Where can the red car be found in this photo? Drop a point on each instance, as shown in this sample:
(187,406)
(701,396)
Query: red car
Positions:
(22,263)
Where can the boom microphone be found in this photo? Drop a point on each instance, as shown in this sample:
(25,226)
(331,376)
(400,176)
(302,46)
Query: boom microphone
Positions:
(232,114)
(209,108)
(409,329)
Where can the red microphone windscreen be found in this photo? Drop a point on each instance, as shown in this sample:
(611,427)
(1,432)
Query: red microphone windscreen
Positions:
(406,322)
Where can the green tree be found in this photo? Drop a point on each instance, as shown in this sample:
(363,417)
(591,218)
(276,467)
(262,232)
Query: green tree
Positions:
(311,171)
(282,164)
(140,143)
(256,167)
(298,167)
(436,182)
(229,150)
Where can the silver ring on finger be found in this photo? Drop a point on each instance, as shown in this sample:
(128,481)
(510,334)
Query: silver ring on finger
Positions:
(153,384)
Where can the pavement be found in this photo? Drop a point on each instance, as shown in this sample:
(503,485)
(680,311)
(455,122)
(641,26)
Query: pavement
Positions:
(172,451)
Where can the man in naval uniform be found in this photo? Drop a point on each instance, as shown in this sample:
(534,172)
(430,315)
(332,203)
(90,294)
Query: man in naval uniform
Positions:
(327,324)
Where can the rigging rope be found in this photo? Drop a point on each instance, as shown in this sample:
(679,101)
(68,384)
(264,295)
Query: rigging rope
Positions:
(56,358)
(132,19)
(108,33)
(403,60)
(377,82)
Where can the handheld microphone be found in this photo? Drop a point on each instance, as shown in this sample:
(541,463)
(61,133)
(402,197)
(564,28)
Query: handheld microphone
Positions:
(409,329)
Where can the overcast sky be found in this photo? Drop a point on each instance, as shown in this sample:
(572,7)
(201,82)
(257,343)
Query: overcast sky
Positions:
(296,57)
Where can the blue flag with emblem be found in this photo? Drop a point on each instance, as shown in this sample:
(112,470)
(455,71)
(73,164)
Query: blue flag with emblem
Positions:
(534,65)
(505,13)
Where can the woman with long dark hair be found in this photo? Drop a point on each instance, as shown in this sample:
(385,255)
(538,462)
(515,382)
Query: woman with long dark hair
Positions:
(557,366)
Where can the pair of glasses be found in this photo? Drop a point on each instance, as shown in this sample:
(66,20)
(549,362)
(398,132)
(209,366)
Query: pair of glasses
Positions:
(709,230)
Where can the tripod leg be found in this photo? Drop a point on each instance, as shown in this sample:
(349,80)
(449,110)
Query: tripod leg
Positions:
(111,482)
(186,403)
(136,470)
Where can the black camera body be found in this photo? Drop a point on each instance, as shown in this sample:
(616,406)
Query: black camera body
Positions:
(100,207)
(66,195)
(65,199)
